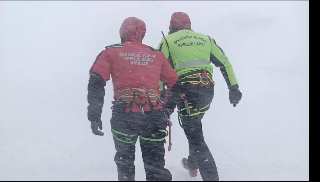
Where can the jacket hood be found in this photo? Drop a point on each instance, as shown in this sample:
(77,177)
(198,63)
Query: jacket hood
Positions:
(132,29)
(179,20)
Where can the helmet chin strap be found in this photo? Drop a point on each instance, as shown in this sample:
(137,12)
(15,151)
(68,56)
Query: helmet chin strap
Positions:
(122,40)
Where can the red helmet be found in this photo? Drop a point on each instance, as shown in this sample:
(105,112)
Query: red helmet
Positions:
(179,20)
(132,28)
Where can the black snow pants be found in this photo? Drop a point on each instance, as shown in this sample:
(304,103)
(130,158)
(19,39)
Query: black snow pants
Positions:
(199,99)
(150,128)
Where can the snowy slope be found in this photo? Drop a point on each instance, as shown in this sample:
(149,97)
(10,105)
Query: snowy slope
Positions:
(47,48)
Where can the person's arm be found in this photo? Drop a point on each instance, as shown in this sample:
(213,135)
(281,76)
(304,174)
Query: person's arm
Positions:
(95,97)
(219,59)
(170,78)
(99,75)
(163,47)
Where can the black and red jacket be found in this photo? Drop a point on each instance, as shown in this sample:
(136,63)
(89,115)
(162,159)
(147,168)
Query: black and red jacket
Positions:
(132,65)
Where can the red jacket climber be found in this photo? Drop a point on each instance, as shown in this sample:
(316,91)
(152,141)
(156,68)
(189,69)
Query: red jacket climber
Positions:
(136,70)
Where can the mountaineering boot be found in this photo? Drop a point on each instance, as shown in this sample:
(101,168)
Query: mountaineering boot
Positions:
(192,172)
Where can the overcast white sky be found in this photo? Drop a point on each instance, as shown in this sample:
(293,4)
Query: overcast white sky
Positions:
(47,48)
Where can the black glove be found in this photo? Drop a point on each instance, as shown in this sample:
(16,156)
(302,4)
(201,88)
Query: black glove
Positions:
(95,126)
(94,116)
(234,96)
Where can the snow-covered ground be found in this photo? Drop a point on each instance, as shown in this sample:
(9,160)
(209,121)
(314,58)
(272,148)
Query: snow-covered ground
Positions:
(47,48)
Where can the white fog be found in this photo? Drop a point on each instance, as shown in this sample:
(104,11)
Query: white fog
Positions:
(47,49)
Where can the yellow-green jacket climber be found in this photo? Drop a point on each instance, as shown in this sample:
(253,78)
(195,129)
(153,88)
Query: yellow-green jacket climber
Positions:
(190,54)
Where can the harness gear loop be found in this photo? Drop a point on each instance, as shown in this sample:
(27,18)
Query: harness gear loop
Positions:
(187,106)
(138,96)
(197,78)
(141,108)
(182,97)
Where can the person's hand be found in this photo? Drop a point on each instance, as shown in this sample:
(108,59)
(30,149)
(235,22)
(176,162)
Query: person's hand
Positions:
(168,111)
(235,96)
(95,126)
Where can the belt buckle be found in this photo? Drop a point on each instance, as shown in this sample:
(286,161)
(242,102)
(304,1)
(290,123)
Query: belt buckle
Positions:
(187,106)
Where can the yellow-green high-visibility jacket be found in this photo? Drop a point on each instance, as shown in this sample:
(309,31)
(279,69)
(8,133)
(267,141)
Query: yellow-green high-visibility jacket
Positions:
(190,51)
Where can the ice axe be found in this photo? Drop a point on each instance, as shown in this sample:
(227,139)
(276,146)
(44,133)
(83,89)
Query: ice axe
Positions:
(169,123)
(170,143)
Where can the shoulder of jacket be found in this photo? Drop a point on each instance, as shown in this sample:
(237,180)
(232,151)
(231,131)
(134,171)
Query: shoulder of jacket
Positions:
(153,49)
(170,36)
(114,46)
(202,34)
